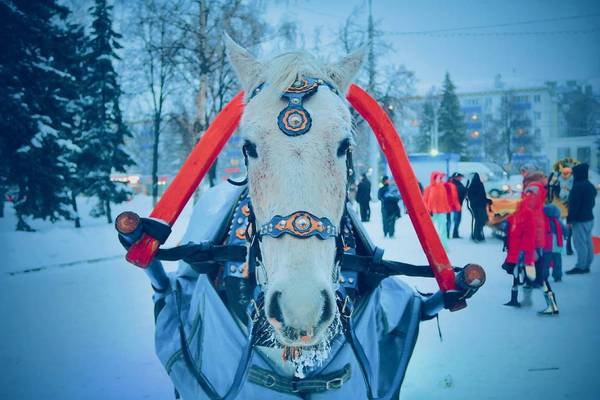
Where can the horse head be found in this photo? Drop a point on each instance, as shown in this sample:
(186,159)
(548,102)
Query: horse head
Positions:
(296,130)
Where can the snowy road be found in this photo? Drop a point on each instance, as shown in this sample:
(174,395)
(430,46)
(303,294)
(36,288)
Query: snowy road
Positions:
(85,331)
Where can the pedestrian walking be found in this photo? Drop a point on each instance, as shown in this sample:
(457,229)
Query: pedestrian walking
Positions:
(389,197)
(580,219)
(455,208)
(565,183)
(363,198)
(461,190)
(554,243)
(478,203)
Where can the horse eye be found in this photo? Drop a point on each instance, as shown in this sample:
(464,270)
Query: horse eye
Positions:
(343,147)
(249,149)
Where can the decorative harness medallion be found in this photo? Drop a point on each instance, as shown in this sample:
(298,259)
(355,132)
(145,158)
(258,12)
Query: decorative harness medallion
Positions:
(300,224)
(294,119)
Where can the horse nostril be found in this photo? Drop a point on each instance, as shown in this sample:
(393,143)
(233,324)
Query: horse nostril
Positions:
(274,311)
(327,307)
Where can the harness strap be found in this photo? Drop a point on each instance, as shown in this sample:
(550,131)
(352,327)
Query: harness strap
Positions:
(240,374)
(194,253)
(322,383)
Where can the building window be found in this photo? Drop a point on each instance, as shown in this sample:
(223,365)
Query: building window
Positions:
(537,98)
(538,133)
(537,115)
(584,154)
(521,99)
(563,152)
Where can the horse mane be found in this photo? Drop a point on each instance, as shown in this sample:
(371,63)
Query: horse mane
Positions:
(281,71)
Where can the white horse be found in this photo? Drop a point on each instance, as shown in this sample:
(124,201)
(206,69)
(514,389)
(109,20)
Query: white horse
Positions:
(305,340)
(300,173)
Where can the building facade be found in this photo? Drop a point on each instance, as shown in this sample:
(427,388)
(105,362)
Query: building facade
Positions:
(531,115)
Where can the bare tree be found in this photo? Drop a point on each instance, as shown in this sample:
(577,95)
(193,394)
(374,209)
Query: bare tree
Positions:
(388,83)
(204,63)
(157,55)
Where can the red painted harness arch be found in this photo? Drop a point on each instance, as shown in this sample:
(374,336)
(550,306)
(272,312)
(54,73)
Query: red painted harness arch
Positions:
(212,142)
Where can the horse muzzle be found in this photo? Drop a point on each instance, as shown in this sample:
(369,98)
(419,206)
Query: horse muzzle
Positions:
(300,324)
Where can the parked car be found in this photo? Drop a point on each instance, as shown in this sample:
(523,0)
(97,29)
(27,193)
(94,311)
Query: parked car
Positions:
(495,179)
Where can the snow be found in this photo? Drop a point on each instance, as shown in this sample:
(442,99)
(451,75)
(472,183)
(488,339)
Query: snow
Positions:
(84,330)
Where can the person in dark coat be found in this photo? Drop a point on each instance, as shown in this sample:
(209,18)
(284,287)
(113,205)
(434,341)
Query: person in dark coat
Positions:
(580,219)
(363,198)
(390,211)
(478,203)
(456,180)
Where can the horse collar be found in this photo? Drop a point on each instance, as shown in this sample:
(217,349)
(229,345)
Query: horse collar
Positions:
(300,224)
(294,119)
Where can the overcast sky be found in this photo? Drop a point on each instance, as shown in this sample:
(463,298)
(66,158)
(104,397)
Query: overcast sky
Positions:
(524,52)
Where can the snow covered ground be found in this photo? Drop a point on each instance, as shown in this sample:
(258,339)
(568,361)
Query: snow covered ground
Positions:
(74,329)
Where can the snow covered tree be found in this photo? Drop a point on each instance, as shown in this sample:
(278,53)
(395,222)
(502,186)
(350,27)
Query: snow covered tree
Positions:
(451,124)
(104,130)
(426,124)
(580,109)
(35,109)
(72,62)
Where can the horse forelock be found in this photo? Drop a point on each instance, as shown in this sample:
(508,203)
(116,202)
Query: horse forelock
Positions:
(281,71)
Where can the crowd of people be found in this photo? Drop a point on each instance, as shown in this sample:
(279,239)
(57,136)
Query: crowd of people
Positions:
(443,198)
(553,211)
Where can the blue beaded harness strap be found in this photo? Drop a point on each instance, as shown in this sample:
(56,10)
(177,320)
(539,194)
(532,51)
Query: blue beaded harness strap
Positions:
(348,279)
(294,119)
(237,235)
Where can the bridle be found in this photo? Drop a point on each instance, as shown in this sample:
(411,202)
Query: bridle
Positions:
(295,120)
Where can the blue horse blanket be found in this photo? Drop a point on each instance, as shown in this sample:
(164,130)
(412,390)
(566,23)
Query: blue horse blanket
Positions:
(385,329)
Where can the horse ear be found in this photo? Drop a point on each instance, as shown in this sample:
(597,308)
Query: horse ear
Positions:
(246,67)
(343,71)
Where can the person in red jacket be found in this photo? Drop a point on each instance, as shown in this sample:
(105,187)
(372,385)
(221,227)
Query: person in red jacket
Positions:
(436,201)
(522,238)
(455,207)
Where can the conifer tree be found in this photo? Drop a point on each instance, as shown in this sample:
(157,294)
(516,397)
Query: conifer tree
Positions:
(34,104)
(451,126)
(427,120)
(104,131)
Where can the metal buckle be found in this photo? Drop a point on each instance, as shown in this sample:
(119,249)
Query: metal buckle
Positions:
(294,385)
(269,381)
(335,383)
(256,315)
(343,311)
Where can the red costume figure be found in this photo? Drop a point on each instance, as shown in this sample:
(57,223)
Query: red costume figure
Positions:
(436,201)
(452,194)
(435,195)
(526,235)
(454,202)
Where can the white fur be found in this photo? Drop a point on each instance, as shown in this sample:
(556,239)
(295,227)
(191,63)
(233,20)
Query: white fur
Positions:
(300,173)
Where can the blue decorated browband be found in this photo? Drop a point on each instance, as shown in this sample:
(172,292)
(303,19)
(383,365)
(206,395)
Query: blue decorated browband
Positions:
(300,224)
(295,120)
